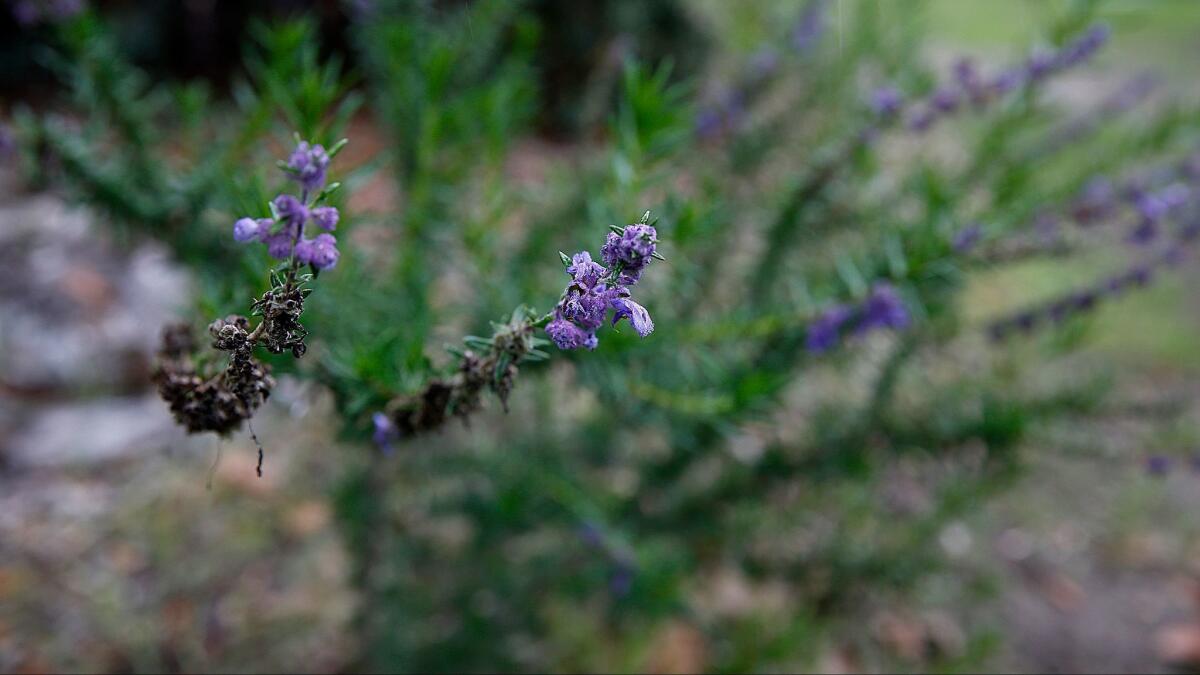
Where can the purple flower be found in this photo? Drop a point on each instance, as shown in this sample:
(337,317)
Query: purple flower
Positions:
(620,582)
(307,166)
(632,249)
(385,432)
(1158,465)
(326,217)
(279,245)
(884,309)
(8,142)
(585,308)
(966,75)
(320,252)
(966,238)
(810,27)
(30,12)
(291,210)
(886,101)
(1152,207)
(637,315)
(1040,64)
(944,100)
(922,120)
(566,335)
(825,330)
(586,272)
(248,229)
(594,289)
(708,123)
(1007,81)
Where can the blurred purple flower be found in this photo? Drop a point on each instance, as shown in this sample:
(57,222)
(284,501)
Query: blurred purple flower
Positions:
(385,433)
(810,27)
(886,101)
(307,165)
(1158,465)
(966,238)
(326,217)
(884,309)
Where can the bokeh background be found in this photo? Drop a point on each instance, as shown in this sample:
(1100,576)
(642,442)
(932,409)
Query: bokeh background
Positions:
(127,545)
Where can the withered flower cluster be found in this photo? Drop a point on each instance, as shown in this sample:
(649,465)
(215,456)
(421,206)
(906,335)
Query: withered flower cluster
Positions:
(485,364)
(204,396)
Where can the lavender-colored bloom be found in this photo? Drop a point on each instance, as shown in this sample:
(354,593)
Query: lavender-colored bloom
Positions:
(307,165)
(326,217)
(922,120)
(825,331)
(566,335)
(291,210)
(1175,195)
(1006,81)
(884,309)
(708,123)
(886,101)
(967,77)
(1158,465)
(320,252)
(1040,64)
(966,238)
(591,535)
(637,315)
(1084,47)
(31,12)
(385,432)
(810,27)
(8,142)
(620,582)
(586,272)
(595,289)
(632,249)
(944,100)
(1145,233)
(248,229)
(279,245)
(26,12)
(585,308)
(1152,207)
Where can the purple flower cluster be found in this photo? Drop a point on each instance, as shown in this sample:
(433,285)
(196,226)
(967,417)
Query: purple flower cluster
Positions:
(970,86)
(810,27)
(284,233)
(886,101)
(1153,208)
(1160,466)
(385,433)
(8,142)
(1086,299)
(882,309)
(596,288)
(29,13)
(724,116)
(967,238)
